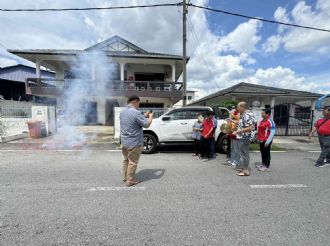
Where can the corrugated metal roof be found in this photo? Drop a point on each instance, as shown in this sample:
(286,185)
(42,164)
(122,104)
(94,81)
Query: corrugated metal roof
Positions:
(252,89)
(134,51)
(20,73)
(108,53)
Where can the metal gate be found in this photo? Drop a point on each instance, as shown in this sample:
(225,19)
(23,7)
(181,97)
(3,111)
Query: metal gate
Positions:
(293,120)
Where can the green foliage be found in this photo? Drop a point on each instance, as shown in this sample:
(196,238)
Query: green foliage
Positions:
(227,103)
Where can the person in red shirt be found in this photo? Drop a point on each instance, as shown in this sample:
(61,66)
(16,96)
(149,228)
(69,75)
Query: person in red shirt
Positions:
(322,127)
(266,132)
(207,135)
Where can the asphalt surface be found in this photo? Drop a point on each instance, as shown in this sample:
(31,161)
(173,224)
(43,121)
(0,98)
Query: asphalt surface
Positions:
(78,198)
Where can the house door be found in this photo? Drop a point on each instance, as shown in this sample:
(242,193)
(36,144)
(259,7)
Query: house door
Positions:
(90,109)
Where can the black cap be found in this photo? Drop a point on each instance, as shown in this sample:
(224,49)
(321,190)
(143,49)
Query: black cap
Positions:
(133,97)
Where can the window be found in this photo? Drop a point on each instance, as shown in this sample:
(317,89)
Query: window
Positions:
(224,113)
(189,97)
(178,115)
(193,113)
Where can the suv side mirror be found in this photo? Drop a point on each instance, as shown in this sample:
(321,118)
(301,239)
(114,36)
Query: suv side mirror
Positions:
(166,118)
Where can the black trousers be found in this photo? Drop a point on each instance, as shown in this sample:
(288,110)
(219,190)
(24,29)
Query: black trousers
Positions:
(197,145)
(206,148)
(265,153)
(325,149)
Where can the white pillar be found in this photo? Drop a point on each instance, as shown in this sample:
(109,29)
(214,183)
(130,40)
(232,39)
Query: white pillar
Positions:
(313,103)
(59,73)
(272,105)
(173,73)
(93,72)
(38,73)
(233,98)
(122,71)
(272,102)
(101,111)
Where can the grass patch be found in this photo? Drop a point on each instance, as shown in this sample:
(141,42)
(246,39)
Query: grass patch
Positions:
(255,147)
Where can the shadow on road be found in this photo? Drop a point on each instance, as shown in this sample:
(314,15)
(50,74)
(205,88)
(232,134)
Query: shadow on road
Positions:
(149,174)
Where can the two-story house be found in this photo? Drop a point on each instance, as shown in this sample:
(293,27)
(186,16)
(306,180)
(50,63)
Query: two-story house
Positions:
(151,76)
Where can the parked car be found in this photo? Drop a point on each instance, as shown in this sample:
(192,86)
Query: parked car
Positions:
(175,128)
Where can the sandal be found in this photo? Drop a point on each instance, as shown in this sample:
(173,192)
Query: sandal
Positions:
(242,174)
(135,182)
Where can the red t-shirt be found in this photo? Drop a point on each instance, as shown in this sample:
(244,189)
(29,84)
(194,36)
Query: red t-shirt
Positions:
(266,129)
(207,126)
(323,127)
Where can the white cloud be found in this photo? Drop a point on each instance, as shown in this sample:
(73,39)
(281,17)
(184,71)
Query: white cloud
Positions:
(272,44)
(244,38)
(283,78)
(216,61)
(303,40)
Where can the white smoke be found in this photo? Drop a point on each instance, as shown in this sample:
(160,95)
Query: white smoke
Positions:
(92,71)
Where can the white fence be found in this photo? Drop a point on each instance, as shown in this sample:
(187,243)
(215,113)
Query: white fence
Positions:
(14,116)
(13,126)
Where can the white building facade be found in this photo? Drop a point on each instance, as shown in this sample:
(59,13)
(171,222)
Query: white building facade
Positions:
(151,76)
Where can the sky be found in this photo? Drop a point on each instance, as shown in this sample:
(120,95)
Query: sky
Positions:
(224,50)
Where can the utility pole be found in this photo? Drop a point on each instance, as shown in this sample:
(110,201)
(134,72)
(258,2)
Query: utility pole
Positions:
(184,52)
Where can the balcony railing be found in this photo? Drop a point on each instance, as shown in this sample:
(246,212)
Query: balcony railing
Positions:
(114,87)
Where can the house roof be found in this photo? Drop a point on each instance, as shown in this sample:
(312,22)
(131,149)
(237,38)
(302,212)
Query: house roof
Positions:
(117,43)
(114,47)
(253,89)
(19,73)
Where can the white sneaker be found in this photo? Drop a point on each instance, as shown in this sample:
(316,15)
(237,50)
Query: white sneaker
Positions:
(263,168)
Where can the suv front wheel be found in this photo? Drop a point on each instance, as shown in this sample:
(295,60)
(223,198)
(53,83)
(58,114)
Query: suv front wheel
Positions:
(223,144)
(149,144)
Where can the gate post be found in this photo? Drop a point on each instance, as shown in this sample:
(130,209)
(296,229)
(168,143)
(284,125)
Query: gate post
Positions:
(312,120)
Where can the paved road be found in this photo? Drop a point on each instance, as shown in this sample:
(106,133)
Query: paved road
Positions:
(77,198)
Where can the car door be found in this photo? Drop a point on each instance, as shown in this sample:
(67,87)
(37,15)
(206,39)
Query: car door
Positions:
(175,127)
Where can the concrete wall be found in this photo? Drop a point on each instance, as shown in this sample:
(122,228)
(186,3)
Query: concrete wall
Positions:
(13,126)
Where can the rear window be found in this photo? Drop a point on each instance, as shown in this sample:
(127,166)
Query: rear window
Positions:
(194,112)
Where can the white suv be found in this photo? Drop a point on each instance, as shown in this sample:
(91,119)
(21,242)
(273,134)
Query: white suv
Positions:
(175,127)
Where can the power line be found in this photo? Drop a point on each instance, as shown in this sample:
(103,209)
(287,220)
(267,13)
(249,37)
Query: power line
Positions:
(167,5)
(257,18)
(92,8)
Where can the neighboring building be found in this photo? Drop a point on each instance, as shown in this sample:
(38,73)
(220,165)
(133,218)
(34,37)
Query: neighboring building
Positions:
(261,96)
(152,76)
(12,82)
(292,109)
(191,96)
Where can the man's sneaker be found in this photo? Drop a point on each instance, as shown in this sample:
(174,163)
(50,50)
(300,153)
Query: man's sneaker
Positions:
(233,164)
(263,168)
(322,164)
(206,159)
(259,165)
(228,163)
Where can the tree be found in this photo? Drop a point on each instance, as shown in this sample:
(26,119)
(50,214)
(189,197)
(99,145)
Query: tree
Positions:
(227,103)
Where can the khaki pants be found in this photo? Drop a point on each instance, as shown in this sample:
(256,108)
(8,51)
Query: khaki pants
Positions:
(131,159)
